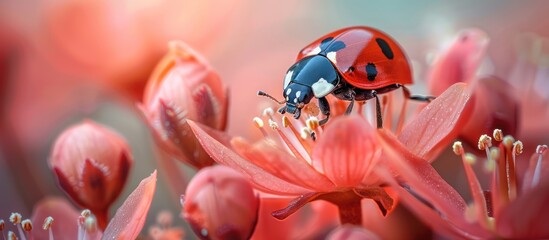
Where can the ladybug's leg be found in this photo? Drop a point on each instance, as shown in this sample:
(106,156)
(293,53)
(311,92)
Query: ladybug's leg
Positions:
(282,110)
(421,98)
(352,99)
(378,111)
(325,109)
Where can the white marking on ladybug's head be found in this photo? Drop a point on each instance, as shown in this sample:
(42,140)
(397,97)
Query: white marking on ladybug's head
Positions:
(295,100)
(297,94)
(288,78)
(315,51)
(332,56)
(288,91)
(322,88)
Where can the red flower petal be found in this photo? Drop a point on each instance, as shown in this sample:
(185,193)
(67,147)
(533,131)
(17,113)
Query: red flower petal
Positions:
(347,151)
(262,179)
(527,216)
(438,123)
(433,218)
(422,178)
(281,164)
(130,217)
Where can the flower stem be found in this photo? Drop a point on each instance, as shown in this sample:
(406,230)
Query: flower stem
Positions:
(350,212)
(102,219)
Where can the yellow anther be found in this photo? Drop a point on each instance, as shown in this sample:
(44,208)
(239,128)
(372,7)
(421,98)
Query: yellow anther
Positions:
(47,223)
(470,158)
(484,142)
(27,225)
(268,112)
(508,141)
(312,123)
(458,148)
(498,135)
(15,218)
(273,124)
(541,149)
(518,147)
(258,122)
(86,213)
(306,132)
(285,121)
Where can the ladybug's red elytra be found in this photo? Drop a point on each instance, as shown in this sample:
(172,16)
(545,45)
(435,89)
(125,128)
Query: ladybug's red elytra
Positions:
(353,64)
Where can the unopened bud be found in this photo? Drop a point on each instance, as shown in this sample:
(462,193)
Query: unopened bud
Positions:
(91,164)
(182,87)
(221,204)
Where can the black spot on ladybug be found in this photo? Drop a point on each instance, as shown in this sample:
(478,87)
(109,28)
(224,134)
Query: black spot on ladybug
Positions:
(351,69)
(324,43)
(336,46)
(371,70)
(327,45)
(385,48)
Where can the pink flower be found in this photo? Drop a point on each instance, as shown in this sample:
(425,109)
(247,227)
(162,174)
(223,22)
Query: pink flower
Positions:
(496,103)
(55,218)
(220,204)
(184,86)
(91,164)
(341,165)
(512,208)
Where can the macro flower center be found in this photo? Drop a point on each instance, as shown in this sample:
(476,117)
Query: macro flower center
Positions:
(505,182)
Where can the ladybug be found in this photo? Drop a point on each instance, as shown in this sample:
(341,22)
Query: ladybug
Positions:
(353,64)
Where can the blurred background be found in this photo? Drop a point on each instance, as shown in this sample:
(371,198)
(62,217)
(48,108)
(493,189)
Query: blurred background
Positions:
(62,61)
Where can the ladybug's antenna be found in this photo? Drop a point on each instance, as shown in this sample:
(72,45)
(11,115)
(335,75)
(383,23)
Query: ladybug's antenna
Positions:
(261,93)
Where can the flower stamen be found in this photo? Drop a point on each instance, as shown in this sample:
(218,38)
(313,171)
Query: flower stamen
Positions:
(479,206)
(258,122)
(511,169)
(498,135)
(268,112)
(540,150)
(2,226)
(16,219)
(48,222)
(286,122)
(11,236)
(306,132)
(292,145)
(312,123)
(484,142)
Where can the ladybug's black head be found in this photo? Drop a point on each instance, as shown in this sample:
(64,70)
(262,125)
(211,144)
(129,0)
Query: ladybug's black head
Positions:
(313,76)
(297,96)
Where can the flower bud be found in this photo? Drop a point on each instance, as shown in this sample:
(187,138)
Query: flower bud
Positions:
(220,204)
(460,62)
(496,107)
(184,86)
(91,164)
